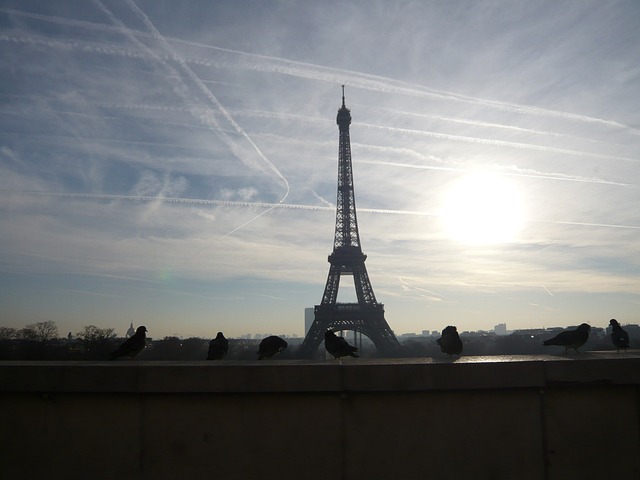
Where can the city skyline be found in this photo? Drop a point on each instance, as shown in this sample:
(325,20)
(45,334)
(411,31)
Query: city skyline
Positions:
(499,329)
(176,166)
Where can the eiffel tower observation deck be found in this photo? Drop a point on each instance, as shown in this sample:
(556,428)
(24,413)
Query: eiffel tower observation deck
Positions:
(367,315)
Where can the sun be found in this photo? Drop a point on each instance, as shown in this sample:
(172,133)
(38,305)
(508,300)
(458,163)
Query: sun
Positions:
(482,208)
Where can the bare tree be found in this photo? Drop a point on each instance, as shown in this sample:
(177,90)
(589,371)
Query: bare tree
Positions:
(7,344)
(34,339)
(96,341)
(93,334)
(27,333)
(8,333)
(43,331)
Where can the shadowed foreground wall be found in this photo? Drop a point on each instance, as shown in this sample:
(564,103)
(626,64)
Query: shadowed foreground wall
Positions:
(535,418)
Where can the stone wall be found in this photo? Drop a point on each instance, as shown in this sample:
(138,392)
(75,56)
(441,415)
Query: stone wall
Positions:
(523,418)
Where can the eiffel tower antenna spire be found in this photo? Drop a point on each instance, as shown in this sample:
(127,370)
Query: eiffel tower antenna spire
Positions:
(367,315)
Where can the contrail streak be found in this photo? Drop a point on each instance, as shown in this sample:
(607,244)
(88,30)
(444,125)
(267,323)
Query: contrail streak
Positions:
(206,115)
(459,138)
(533,174)
(541,175)
(547,290)
(301,118)
(271,206)
(190,73)
(225,203)
(325,202)
(29,112)
(588,224)
(497,143)
(85,139)
(352,78)
(479,123)
(387,85)
(433,295)
(69,22)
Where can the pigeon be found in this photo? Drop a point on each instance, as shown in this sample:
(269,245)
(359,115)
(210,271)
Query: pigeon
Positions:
(270,346)
(570,338)
(450,341)
(132,346)
(338,346)
(218,347)
(619,336)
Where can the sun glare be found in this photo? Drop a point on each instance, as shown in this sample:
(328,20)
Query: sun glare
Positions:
(482,209)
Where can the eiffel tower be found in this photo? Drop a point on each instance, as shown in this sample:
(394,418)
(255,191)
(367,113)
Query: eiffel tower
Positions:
(366,316)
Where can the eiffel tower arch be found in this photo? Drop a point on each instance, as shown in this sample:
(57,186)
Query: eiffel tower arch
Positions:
(365,316)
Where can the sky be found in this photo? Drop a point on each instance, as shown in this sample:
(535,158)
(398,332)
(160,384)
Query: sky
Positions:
(174,164)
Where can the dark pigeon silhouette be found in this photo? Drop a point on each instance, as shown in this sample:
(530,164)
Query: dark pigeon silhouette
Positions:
(338,346)
(270,346)
(619,336)
(570,338)
(218,347)
(450,341)
(131,346)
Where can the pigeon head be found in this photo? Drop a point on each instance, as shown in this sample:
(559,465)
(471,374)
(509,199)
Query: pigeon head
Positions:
(329,334)
(584,326)
(614,323)
(141,330)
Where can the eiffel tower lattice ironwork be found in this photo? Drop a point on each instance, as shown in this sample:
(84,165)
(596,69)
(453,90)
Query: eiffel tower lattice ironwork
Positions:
(367,315)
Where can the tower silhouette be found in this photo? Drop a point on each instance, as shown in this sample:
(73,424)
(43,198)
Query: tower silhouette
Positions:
(367,315)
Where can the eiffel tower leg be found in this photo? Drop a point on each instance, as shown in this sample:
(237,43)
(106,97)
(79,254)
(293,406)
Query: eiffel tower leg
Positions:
(365,320)
(314,337)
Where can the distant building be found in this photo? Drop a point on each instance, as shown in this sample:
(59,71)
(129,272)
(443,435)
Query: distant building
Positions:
(500,329)
(537,332)
(408,335)
(633,330)
(131,332)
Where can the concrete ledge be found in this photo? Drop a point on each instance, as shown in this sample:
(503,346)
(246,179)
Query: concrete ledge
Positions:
(530,418)
(394,375)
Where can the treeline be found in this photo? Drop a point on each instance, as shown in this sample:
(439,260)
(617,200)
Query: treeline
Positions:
(41,341)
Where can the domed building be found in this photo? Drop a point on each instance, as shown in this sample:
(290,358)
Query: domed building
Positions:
(131,331)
